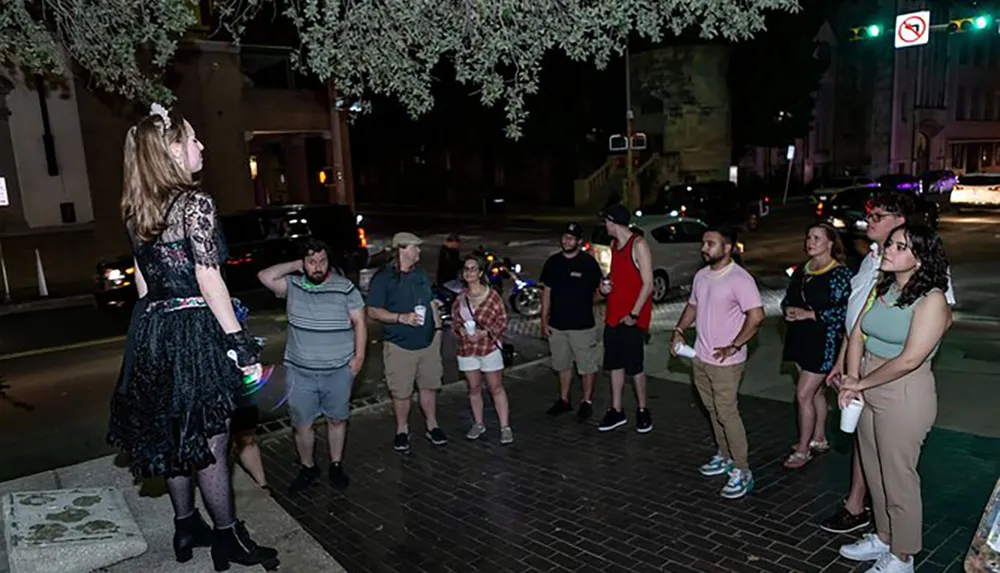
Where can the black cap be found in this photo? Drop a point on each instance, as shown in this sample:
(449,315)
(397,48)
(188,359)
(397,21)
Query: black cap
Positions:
(574,229)
(617,214)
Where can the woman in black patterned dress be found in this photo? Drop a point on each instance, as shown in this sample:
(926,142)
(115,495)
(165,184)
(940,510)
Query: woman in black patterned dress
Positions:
(187,353)
(815,306)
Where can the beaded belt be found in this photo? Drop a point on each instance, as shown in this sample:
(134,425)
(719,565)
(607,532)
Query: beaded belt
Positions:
(174,304)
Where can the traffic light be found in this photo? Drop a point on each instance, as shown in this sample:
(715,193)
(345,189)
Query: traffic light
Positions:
(864,33)
(973,24)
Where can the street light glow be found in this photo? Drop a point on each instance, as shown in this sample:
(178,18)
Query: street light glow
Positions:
(874,30)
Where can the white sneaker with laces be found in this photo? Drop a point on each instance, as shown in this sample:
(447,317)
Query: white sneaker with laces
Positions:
(889,563)
(868,548)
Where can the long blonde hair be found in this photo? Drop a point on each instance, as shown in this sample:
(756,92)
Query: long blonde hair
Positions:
(152,175)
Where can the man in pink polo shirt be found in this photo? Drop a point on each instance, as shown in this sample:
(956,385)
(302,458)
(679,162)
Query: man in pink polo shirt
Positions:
(725,304)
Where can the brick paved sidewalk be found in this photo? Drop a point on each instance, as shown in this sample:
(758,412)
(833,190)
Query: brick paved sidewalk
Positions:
(566,498)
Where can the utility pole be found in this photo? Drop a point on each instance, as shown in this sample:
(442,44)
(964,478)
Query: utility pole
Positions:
(918,81)
(628,195)
(340,149)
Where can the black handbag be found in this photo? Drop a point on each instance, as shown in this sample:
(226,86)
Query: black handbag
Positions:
(506,348)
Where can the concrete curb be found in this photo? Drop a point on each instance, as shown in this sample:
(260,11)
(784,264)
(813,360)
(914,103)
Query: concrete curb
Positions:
(75,301)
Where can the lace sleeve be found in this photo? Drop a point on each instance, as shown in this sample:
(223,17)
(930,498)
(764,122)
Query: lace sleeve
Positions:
(201,229)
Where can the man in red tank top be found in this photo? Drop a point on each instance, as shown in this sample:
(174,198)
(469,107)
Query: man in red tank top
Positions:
(627,317)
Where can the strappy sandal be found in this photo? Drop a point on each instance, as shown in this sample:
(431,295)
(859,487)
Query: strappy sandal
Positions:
(819,447)
(797,460)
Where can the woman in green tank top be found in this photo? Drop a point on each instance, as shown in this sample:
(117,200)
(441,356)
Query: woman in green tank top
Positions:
(888,366)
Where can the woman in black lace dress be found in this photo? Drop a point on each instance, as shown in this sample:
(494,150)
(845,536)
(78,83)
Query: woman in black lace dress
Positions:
(187,353)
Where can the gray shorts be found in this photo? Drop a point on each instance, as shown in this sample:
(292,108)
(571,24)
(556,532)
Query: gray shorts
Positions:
(312,393)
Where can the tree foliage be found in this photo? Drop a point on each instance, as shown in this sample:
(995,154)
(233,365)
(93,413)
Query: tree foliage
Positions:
(384,47)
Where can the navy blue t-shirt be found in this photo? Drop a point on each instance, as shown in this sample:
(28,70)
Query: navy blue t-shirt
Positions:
(400,293)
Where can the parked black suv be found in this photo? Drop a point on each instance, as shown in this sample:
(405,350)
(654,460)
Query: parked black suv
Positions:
(714,202)
(256,240)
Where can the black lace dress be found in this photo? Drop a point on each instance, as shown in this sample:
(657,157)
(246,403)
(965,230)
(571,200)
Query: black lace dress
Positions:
(177,386)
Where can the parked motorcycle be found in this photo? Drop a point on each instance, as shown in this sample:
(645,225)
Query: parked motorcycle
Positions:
(525,296)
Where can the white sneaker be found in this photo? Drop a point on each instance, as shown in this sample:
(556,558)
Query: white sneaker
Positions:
(868,548)
(889,563)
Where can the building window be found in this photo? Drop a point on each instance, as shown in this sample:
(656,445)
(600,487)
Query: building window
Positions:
(996,158)
(994,53)
(996,106)
(960,111)
(957,154)
(976,106)
(986,155)
(990,111)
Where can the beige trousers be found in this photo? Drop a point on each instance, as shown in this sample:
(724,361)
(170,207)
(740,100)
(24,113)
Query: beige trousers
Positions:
(718,387)
(891,432)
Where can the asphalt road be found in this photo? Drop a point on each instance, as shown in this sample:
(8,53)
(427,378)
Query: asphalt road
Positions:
(64,363)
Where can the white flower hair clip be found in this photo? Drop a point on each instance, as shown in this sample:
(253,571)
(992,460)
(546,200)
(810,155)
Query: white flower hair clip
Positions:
(157,109)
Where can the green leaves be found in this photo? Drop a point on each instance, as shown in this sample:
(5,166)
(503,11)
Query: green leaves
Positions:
(386,47)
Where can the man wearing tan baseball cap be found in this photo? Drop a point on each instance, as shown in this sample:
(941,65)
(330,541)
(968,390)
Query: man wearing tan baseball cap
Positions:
(401,298)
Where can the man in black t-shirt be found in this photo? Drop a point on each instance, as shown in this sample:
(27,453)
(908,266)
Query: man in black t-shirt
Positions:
(571,278)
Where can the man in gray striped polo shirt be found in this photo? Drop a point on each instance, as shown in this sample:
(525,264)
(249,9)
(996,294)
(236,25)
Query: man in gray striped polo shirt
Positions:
(324,350)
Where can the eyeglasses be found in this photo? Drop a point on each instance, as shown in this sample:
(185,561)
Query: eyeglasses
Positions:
(877,217)
(470,269)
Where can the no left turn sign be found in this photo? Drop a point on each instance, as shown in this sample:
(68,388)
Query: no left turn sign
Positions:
(912,29)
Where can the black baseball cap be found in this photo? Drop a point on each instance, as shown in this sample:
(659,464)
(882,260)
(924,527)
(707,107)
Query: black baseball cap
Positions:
(617,214)
(574,229)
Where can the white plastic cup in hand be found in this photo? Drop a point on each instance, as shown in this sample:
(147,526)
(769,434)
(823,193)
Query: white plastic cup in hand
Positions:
(421,311)
(850,415)
(606,285)
(470,327)
(684,350)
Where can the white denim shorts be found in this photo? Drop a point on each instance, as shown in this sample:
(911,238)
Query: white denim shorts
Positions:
(492,362)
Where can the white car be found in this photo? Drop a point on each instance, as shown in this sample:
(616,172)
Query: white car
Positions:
(675,246)
(976,190)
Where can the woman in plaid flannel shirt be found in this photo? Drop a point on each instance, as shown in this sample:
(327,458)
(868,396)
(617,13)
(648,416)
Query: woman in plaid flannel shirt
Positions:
(478,323)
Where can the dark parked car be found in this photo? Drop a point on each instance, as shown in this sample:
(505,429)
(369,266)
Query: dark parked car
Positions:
(715,203)
(848,211)
(258,239)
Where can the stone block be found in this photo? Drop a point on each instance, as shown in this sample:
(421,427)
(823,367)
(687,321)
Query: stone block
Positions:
(69,530)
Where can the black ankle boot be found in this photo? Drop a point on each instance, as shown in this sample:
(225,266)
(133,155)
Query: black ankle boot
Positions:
(234,545)
(190,532)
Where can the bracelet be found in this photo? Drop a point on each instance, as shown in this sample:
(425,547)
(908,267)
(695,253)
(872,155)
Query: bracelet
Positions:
(678,330)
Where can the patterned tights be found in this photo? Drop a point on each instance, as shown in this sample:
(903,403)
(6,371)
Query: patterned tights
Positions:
(214,483)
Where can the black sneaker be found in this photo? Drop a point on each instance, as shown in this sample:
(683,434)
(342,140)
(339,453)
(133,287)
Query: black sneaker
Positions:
(560,407)
(643,421)
(437,437)
(584,411)
(401,443)
(338,479)
(612,419)
(845,522)
(305,479)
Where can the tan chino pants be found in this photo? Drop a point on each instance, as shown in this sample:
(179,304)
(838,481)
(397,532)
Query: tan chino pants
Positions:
(891,432)
(718,387)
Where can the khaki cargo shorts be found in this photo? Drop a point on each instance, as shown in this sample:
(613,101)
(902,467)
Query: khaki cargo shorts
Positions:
(579,346)
(404,368)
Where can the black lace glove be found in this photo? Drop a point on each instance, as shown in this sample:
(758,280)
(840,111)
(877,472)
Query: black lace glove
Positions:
(243,348)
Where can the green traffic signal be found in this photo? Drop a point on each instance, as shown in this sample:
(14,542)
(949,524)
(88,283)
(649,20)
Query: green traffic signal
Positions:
(874,30)
(980,22)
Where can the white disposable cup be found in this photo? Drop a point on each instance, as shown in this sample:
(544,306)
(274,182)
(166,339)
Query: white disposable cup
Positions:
(470,327)
(684,350)
(606,285)
(421,311)
(850,415)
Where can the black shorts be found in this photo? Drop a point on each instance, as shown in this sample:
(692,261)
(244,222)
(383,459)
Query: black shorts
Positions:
(624,348)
